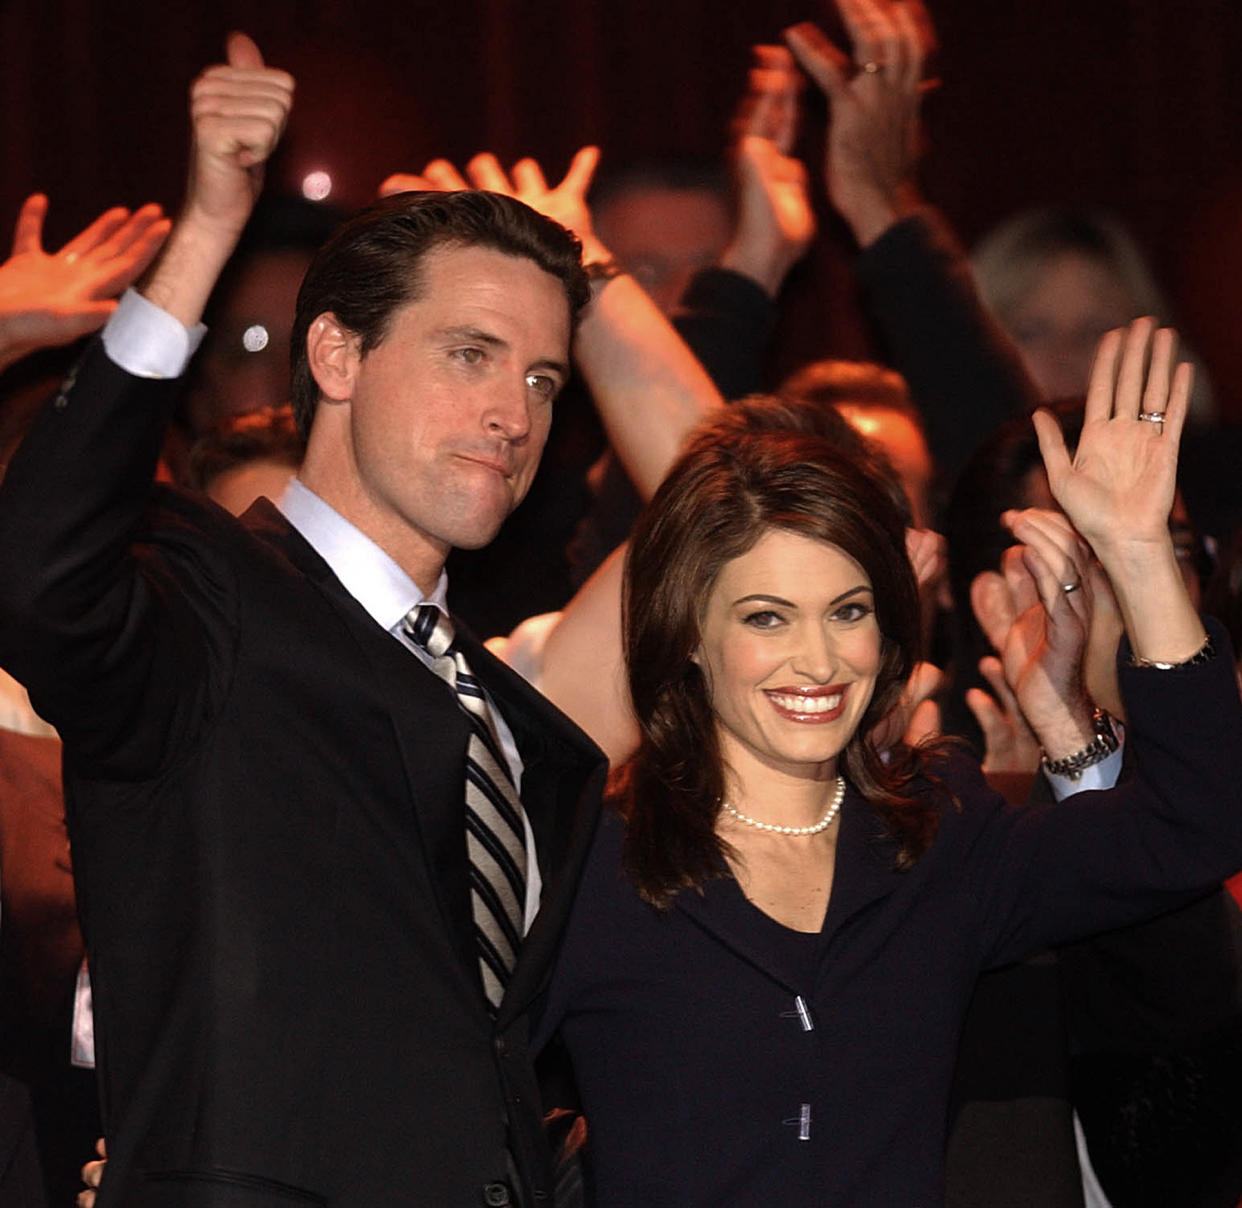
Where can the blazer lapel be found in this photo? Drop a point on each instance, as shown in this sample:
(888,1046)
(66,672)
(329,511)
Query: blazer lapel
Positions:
(862,875)
(720,910)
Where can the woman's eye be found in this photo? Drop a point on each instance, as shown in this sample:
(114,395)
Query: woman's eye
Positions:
(853,611)
(765,619)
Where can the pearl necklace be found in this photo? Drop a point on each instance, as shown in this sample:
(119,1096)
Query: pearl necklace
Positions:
(823,824)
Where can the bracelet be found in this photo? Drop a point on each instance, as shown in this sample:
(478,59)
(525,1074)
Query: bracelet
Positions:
(1200,656)
(1096,751)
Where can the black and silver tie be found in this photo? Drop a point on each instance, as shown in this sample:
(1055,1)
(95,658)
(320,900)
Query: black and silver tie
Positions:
(495,832)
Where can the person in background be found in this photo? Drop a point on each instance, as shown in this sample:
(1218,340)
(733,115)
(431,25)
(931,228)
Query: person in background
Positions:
(245,456)
(1058,278)
(48,301)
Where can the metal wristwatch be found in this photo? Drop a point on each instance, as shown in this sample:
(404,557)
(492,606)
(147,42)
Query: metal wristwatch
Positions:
(1096,751)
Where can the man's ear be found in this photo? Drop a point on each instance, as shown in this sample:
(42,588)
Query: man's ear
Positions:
(333,354)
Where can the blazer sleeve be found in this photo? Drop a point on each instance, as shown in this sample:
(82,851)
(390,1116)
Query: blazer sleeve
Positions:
(962,370)
(1169,830)
(727,319)
(100,608)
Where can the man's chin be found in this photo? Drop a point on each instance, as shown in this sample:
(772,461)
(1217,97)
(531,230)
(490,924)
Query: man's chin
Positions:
(476,535)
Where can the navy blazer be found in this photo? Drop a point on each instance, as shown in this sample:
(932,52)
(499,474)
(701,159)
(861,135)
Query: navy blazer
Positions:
(265,795)
(716,1068)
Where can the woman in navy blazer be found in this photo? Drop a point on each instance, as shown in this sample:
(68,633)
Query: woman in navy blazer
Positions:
(762,984)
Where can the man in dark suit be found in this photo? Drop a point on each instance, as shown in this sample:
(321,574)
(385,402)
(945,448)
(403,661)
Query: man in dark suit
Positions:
(310,985)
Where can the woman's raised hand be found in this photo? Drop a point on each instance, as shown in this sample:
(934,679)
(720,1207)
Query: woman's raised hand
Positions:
(1118,487)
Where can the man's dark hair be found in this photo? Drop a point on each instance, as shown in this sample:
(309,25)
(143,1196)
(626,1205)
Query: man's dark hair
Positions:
(371,266)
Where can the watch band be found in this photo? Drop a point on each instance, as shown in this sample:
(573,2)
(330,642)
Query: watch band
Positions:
(1096,751)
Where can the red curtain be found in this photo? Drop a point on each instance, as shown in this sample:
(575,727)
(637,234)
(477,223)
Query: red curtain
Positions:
(1128,103)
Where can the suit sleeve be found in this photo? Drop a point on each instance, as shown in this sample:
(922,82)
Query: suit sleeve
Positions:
(98,615)
(1169,830)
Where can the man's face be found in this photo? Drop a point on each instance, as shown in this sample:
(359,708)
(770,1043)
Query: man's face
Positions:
(448,415)
(664,236)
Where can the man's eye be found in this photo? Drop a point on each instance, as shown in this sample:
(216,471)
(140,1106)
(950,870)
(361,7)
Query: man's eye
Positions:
(542,384)
(472,356)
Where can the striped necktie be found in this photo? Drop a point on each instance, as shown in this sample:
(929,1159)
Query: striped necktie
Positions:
(495,831)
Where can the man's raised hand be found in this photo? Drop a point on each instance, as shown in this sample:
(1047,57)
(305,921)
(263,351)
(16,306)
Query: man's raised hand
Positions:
(564,203)
(238,110)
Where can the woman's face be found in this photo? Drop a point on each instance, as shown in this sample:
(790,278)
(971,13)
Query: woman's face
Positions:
(790,650)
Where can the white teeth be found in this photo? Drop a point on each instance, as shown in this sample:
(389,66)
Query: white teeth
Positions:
(806,704)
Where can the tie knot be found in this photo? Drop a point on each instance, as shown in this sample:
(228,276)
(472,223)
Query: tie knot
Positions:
(430,629)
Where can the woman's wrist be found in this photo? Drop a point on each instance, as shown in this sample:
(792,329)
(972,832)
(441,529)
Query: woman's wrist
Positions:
(1160,619)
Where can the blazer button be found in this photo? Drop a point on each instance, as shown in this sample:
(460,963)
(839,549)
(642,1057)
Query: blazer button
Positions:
(496,1195)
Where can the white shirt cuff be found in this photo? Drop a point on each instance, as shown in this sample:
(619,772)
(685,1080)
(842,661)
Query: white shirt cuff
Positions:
(1102,775)
(148,342)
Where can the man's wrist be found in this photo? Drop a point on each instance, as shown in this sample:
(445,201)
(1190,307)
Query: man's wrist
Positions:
(870,213)
(1100,744)
(146,341)
(767,270)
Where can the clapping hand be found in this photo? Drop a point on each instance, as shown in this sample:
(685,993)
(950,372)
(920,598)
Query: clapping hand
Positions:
(775,223)
(1036,613)
(874,132)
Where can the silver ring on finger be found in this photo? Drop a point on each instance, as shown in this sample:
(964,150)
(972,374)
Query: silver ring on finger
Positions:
(1070,588)
(872,66)
(1151,417)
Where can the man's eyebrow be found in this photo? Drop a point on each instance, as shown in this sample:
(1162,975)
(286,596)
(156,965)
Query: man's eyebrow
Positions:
(476,335)
(560,367)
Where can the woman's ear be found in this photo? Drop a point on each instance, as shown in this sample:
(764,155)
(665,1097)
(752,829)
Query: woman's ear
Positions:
(333,353)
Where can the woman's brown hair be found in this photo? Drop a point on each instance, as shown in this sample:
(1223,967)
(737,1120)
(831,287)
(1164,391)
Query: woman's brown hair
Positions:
(760,467)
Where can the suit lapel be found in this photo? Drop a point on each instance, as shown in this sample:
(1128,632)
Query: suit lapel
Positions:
(563,771)
(430,733)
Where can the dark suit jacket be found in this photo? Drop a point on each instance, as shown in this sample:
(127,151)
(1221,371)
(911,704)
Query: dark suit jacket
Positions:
(265,802)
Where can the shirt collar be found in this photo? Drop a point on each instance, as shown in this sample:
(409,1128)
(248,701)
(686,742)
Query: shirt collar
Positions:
(366,571)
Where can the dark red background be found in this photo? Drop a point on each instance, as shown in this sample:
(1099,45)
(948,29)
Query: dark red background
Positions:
(1130,103)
